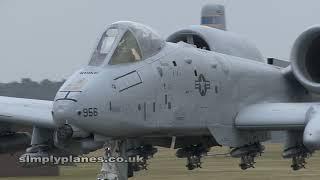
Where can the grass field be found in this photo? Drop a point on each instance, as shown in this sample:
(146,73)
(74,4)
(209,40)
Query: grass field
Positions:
(165,166)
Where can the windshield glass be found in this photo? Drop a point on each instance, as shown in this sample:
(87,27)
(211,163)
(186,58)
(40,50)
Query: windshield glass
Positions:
(127,51)
(108,41)
(150,41)
(104,47)
(126,42)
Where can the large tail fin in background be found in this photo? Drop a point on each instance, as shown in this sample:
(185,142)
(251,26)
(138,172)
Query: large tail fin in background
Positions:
(213,15)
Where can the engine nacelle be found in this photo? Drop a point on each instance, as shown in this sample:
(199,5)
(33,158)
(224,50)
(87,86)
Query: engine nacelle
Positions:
(305,58)
(212,39)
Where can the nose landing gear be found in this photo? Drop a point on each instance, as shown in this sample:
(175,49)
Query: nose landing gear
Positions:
(114,170)
(135,159)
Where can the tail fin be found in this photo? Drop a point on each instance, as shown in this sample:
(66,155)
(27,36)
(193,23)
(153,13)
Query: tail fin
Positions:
(213,15)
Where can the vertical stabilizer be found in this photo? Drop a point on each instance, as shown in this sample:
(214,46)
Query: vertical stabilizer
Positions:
(213,15)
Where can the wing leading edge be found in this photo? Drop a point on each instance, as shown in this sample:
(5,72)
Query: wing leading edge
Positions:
(26,112)
(274,116)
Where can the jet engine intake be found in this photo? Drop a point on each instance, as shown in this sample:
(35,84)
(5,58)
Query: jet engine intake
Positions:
(305,58)
(212,39)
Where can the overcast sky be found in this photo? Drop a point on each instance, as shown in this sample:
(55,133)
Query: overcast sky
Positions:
(51,39)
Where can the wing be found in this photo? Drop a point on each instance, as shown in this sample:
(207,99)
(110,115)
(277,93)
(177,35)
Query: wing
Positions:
(26,112)
(274,116)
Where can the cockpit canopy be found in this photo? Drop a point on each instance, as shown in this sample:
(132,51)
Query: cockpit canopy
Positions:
(126,42)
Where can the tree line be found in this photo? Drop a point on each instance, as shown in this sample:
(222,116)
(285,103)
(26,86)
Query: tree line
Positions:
(27,88)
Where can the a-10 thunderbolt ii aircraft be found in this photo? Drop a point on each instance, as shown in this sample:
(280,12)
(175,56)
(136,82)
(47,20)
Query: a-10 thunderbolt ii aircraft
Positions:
(203,86)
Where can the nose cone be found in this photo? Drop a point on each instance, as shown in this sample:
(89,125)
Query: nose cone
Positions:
(64,111)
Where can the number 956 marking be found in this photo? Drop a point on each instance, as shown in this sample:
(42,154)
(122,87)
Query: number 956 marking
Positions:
(90,112)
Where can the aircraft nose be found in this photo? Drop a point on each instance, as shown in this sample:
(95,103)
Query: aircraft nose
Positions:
(64,111)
